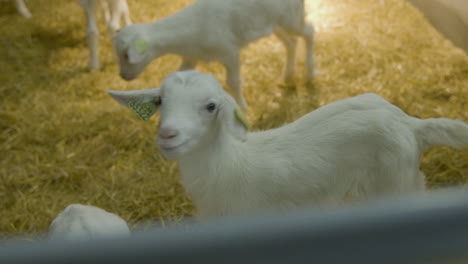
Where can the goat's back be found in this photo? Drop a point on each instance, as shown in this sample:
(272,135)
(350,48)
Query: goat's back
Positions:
(360,147)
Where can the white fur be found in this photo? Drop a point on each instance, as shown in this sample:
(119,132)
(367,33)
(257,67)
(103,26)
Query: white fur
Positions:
(357,148)
(22,8)
(79,222)
(113,11)
(217,30)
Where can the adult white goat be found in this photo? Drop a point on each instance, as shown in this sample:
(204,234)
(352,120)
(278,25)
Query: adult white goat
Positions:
(113,11)
(360,148)
(79,222)
(216,30)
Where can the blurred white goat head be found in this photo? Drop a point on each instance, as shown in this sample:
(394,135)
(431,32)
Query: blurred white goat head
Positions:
(133,50)
(81,222)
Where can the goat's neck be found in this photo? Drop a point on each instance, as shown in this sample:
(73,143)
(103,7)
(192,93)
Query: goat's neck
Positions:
(218,162)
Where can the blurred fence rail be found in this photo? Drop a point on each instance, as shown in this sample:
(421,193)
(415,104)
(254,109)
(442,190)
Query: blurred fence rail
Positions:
(428,228)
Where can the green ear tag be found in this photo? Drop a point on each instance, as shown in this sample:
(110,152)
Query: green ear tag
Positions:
(143,110)
(241,117)
(141,45)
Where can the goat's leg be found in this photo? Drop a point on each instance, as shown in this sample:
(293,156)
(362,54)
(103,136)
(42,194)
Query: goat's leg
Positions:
(232,65)
(22,8)
(118,8)
(290,43)
(89,7)
(126,13)
(115,9)
(105,9)
(307,34)
(306,31)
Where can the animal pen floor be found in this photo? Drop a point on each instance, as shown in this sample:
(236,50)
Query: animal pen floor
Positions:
(63,140)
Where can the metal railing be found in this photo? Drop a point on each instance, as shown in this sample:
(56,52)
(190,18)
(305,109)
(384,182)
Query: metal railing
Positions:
(427,228)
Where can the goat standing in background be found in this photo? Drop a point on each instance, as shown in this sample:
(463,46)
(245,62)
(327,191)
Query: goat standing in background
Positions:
(217,30)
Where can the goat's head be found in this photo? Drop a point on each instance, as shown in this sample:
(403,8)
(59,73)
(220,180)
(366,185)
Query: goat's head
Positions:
(194,110)
(133,50)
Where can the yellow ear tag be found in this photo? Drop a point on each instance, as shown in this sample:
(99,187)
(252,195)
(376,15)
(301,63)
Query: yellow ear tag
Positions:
(241,117)
(141,45)
(143,110)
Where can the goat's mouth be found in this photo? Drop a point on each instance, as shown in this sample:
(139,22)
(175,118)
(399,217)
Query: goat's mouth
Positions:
(170,147)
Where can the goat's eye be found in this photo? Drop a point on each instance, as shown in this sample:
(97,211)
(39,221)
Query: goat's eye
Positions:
(158,101)
(211,107)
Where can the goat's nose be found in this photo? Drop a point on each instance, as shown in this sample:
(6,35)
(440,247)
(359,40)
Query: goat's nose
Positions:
(168,132)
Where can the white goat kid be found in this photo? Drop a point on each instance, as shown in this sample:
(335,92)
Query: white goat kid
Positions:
(80,222)
(22,9)
(113,11)
(359,148)
(216,30)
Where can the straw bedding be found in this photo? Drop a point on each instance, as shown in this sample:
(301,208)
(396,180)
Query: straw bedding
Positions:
(64,140)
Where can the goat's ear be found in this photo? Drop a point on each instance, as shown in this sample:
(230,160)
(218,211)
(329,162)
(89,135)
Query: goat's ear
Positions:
(233,119)
(143,102)
(137,51)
